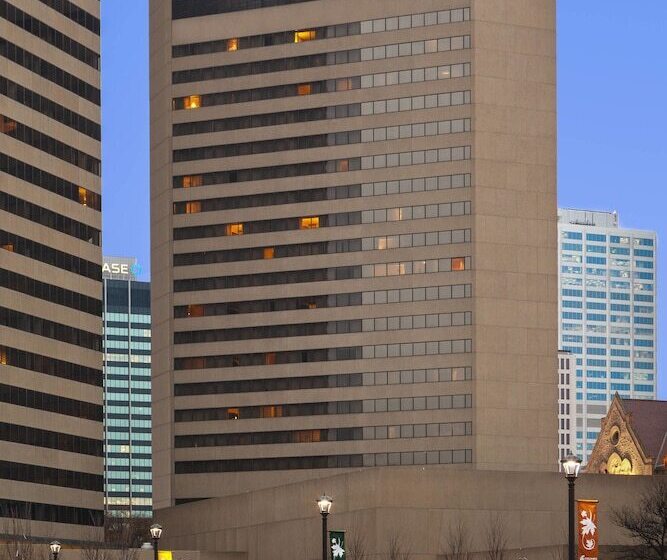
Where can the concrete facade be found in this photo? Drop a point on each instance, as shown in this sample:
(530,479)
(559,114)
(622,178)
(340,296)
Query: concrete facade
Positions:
(50,268)
(446,350)
(418,505)
(565,395)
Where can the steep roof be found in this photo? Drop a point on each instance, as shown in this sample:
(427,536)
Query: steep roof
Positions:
(649,423)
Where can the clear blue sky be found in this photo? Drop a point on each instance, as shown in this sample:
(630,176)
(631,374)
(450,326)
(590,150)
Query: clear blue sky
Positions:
(612,120)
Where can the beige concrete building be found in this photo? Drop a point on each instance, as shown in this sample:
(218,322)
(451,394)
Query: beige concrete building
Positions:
(353,239)
(421,507)
(50,268)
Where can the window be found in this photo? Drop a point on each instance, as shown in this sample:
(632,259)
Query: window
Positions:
(309,223)
(192,181)
(458,263)
(233,413)
(269,252)
(83,196)
(8,247)
(195,310)
(192,102)
(233,44)
(193,207)
(301,36)
(234,229)
(304,89)
(3,356)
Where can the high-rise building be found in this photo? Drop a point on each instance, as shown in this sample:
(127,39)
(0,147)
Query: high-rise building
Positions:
(607,309)
(127,390)
(565,406)
(353,238)
(50,268)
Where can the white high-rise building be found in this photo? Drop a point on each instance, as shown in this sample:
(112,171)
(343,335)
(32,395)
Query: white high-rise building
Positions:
(607,309)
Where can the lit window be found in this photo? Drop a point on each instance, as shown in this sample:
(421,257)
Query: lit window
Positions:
(458,263)
(3,356)
(301,36)
(8,247)
(7,125)
(270,358)
(312,305)
(192,181)
(312,222)
(304,89)
(233,44)
(195,310)
(233,413)
(234,229)
(193,207)
(343,84)
(272,411)
(83,196)
(269,252)
(343,165)
(192,102)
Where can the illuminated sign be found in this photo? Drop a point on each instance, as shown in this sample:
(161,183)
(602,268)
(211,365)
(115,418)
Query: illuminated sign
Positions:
(121,268)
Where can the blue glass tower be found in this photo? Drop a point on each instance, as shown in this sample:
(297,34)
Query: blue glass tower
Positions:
(127,390)
(607,310)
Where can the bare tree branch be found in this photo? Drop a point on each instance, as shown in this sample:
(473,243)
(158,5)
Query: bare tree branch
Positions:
(457,542)
(396,549)
(496,538)
(646,524)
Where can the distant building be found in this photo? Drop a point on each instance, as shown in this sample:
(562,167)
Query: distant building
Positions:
(607,310)
(633,439)
(565,394)
(127,390)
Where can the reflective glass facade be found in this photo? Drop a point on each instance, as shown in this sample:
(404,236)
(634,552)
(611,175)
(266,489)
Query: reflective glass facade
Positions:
(127,391)
(607,310)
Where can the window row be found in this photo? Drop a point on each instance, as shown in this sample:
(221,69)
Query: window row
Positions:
(442,402)
(417,157)
(49,182)
(343,138)
(49,329)
(47,255)
(47,33)
(345,326)
(449,456)
(417,349)
(49,145)
(325,354)
(456,264)
(343,380)
(413,103)
(48,218)
(51,440)
(49,71)
(47,292)
(418,184)
(51,403)
(186,8)
(327,32)
(49,366)
(403,431)
(316,60)
(380,215)
(444,72)
(50,513)
(37,474)
(49,108)
(75,13)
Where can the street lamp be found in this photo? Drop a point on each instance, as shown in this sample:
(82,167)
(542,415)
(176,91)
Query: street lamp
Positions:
(55,549)
(324,504)
(156,533)
(571,465)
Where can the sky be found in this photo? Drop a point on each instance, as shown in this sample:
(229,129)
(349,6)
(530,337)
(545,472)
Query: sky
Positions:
(612,122)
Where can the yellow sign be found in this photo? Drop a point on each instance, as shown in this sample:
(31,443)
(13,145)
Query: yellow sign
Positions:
(164,555)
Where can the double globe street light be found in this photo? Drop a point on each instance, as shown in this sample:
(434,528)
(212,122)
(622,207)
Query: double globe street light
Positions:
(324,504)
(55,547)
(571,466)
(156,533)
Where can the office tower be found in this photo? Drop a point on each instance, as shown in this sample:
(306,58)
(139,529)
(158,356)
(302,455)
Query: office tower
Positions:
(353,265)
(127,389)
(565,394)
(50,268)
(607,309)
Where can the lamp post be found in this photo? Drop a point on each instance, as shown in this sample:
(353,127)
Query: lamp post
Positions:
(324,504)
(571,465)
(55,549)
(156,533)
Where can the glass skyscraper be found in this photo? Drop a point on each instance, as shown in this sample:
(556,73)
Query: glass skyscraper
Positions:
(127,390)
(607,309)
